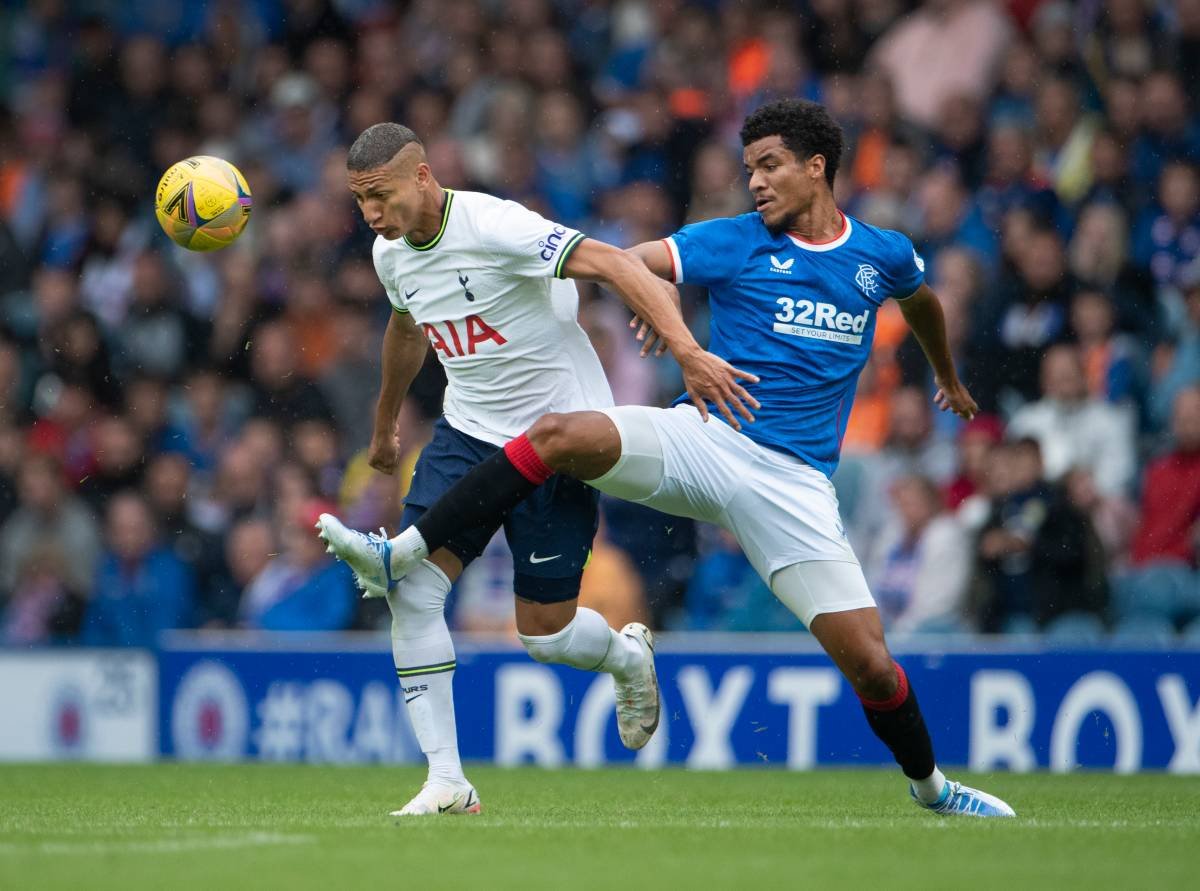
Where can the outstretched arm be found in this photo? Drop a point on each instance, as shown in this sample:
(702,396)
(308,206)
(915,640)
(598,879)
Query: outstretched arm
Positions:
(708,378)
(404,349)
(923,313)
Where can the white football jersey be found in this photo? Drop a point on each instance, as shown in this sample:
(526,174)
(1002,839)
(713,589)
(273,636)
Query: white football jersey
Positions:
(488,293)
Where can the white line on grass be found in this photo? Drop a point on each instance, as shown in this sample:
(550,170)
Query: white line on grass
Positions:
(159,846)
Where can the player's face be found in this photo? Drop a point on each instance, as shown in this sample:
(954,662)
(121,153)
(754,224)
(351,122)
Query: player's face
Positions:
(782,185)
(391,197)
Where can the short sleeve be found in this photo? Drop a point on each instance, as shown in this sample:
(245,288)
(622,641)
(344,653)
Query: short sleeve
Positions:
(708,253)
(385,279)
(909,270)
(525,242)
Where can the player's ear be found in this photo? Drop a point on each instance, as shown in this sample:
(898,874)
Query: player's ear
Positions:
(816,167)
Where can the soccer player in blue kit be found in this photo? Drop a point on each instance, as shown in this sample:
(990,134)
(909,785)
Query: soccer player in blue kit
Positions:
(794,289)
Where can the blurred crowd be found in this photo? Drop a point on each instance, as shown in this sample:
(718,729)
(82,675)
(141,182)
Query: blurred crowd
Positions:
(172,423)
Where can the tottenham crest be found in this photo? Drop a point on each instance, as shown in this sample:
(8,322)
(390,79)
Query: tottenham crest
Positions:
(867,279)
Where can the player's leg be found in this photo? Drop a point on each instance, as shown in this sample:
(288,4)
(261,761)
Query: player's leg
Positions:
(852,635)
(785,515)
(550,534)
(422,648)
(853,638)
(585,445)
(423,653)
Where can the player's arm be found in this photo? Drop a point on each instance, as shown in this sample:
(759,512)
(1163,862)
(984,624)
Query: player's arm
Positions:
(657,258)
(404,349)
(708,378)
(923,313)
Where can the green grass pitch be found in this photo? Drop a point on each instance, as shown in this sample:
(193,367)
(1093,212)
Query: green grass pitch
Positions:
(219,828)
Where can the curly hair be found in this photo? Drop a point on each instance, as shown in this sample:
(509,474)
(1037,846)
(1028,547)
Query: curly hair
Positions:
(806,129)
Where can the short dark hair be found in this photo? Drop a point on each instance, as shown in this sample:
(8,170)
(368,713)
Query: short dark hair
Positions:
(806,128)
(378,144)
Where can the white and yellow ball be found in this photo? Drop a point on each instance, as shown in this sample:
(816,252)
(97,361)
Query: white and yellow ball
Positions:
(202,203)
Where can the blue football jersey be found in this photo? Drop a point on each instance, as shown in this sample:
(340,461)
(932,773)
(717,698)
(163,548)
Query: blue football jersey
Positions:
(799,315)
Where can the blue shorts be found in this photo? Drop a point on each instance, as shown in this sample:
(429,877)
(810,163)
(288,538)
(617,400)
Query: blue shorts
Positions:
(550,533)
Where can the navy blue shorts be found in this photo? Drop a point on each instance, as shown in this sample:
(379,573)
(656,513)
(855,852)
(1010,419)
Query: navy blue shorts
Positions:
(550,533)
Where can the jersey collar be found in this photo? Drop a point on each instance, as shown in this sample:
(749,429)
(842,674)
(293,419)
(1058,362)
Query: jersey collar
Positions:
(433,242)
(821,246)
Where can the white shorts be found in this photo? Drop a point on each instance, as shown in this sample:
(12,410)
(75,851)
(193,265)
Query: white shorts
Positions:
(781,510)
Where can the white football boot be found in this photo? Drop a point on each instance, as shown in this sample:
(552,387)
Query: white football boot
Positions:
(637,699)
(441,798)
(368,555)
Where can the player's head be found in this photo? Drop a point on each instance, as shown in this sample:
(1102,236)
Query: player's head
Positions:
(390,178)
(791,149)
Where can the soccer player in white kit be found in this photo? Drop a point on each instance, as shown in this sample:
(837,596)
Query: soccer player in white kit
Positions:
(794,288)
(482,281)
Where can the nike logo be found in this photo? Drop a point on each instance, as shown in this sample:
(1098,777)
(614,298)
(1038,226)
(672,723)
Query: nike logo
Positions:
(408,296)
(411,698)
(534,558)
(443,808)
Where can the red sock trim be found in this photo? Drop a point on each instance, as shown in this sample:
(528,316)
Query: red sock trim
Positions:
(896,700)
(520,452)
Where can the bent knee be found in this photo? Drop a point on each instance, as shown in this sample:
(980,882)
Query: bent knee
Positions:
(874,677)
(553,438)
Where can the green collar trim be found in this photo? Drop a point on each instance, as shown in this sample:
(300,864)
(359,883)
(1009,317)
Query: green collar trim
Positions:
(433,242)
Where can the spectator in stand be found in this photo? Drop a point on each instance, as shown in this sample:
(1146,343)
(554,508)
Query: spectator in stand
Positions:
(119,461)
(167,481)
(304,588)
(944,48)
(911,448)
(42,608)
(1166,239)
(48,516)
(1114,517)
(142,588)
(207,418)
(921,566)
(890,205)
(1167,530)
(1012,182)
(1098,257)
(1065,130)
(1170,130)
(1111,181)
(1112,361)
(948,219)
(248,547)
(1037,555)
(1019,317)
(975,443)
(717,187)
(281,392)
(357,359)
(157,337)
(1074,429)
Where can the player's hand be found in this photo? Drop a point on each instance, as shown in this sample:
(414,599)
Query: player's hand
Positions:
(647,335)
(710,378)
(384,454)
(953,396)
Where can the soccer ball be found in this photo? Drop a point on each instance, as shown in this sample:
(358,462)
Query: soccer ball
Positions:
(202,203)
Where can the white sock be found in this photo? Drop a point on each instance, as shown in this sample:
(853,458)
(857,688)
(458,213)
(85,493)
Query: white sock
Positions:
(588,643)
(406,547)
(424,657)
(930,789)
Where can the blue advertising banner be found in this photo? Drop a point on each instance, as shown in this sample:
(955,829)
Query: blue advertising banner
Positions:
(725,703)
